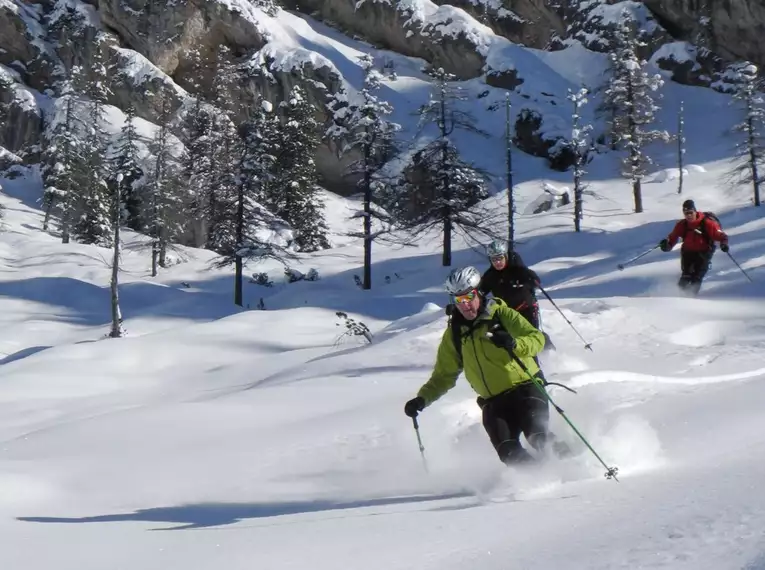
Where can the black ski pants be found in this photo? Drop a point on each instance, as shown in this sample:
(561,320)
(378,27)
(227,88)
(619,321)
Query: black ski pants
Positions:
(694,266)
(521,410)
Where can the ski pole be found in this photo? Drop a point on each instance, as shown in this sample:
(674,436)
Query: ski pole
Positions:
(586,344)
(621,266)
(741,268)
(611,472)
(419,442)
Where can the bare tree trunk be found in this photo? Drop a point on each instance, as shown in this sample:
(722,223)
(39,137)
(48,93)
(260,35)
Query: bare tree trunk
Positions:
(49,204)
(367,282)
(753,160)
(636,191)
(510,197)
(634,150)
(680,149)
(577,171)
(65,228)
(238,264)
(154,256)
(446,260)
(578,193)
(163,249)
(116,331)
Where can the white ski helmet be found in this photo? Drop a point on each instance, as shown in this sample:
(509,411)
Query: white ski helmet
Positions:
(496,248)
(462,280)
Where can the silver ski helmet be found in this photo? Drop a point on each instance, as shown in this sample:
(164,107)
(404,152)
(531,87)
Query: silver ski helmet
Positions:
(462,280)
(497,248)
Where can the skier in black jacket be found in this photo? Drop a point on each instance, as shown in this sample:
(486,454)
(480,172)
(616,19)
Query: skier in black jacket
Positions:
(509,279)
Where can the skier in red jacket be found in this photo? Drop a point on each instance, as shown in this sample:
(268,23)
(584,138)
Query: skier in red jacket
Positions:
(699,233)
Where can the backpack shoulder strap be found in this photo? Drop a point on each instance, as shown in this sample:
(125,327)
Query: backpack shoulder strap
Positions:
(454,327)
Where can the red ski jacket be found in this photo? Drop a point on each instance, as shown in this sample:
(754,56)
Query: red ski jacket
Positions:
(697,235)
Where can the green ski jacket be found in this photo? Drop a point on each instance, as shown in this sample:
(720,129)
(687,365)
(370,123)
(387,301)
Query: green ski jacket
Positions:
(488,368)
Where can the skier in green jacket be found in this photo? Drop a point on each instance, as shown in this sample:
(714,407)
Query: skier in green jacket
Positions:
(489,331)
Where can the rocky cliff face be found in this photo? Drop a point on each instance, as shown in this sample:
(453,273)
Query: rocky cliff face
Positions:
(735,29)
(146,47)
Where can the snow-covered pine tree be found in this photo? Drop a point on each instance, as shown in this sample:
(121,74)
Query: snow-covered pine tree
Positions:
(680,148)
(749,159)
(361,125)
(248,223)
(124,162)
(95,221)
(165,203)
(579,142)
(294,193)
(197,163)
(62,161)
(221,199)
(631,94)
(439,188)
(225,154)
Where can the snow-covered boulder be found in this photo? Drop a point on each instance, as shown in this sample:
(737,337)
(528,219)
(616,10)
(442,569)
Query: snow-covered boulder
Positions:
(552,197)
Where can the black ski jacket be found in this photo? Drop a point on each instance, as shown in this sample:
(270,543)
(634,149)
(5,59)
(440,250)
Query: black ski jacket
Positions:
(514,284)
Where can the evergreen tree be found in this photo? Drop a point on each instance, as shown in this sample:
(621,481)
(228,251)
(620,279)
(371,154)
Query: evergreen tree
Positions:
(250,228)
(95,221)
(166,205)
(579,141)
(749,158)
(439,188)
(125,162)
(222,193)
(362,125)
(294,194)
(62,162)
(630,94)
(224,156)
(197,165)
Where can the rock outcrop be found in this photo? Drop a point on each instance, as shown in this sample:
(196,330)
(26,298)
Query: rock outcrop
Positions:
(441,38)
(734,29)
(531,23)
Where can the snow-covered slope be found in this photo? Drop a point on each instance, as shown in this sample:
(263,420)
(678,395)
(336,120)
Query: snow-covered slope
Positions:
(264,438)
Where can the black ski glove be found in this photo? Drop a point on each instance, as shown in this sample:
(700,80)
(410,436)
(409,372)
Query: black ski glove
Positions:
(724,247)
(449,309)
(664,245)
(414,406)
(501,338)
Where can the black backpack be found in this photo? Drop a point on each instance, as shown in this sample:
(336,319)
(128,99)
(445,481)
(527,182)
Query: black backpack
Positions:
(702,229)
